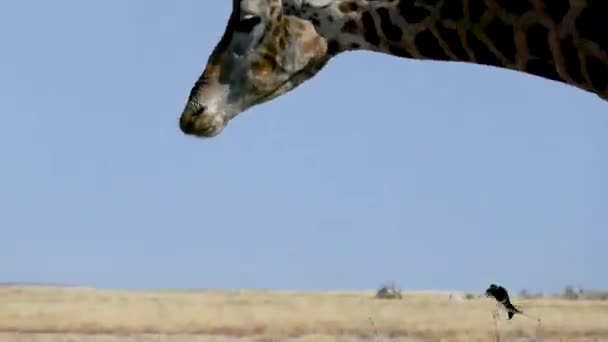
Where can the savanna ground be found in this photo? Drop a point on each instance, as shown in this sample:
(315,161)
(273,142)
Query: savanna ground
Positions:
(56,314)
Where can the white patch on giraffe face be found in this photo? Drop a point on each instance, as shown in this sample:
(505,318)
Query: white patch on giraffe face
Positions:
(298,4)
(318,3)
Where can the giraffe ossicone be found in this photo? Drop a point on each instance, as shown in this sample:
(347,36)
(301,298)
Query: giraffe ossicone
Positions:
(270,47)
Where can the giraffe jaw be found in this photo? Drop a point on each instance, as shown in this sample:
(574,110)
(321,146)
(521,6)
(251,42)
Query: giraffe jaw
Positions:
(211,125)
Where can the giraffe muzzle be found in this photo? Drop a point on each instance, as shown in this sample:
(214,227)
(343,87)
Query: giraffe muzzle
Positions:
(199,123)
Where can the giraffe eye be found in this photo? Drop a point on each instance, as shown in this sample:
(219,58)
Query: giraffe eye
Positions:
(247,23)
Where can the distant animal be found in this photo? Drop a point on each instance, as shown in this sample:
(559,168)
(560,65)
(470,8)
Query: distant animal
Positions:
(502,296)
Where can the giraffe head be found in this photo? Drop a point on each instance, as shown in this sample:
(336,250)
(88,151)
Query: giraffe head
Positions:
(261,55)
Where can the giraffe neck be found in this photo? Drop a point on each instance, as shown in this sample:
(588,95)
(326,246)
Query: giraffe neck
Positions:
(561,40)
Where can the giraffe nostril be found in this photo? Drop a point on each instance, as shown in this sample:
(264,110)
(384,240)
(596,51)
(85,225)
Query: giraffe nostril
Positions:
(199,121)
(200,111)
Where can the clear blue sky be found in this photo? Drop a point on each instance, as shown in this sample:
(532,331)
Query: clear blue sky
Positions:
(433,175)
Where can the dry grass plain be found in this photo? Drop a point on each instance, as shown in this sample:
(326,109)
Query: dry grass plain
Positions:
(54,314)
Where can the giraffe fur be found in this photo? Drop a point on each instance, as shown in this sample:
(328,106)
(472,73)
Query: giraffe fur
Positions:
(290,41)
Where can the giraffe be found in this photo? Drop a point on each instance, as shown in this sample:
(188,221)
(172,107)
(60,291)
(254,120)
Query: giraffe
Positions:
(558,40)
